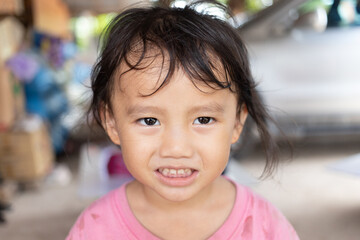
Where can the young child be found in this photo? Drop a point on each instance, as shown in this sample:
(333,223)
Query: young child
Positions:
(173,88)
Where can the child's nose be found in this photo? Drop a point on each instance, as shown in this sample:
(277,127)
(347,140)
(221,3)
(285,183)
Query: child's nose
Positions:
(176,143)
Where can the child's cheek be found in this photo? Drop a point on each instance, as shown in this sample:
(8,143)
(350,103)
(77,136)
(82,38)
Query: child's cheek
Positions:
(204,131)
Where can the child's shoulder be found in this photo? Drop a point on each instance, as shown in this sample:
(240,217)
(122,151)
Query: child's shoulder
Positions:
(107,204)
(102,216)
(254,202)
(258,216)
(255,206)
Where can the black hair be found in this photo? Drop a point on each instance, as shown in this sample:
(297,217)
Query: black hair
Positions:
(194,41)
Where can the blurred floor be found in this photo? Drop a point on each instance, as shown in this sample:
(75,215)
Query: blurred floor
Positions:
(322,204)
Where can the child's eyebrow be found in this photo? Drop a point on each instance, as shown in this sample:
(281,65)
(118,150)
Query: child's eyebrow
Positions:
(208,108)
(136,109)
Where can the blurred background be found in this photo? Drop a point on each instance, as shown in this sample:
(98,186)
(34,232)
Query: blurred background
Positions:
(304,55)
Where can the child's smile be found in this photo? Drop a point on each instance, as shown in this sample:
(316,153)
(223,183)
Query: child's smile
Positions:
(176,141)
(176,177)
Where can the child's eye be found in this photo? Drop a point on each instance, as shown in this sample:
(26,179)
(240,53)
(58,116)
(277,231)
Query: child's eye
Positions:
(203,120)
(149,121)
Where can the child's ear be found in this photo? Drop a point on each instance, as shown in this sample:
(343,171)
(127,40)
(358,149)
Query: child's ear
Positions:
(109,124)
(239,124)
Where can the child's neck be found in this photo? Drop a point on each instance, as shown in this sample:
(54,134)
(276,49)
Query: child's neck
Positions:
(208,210)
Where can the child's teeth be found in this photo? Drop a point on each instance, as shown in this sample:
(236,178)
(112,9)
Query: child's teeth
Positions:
(187,171)
(172,172)
(175,172)
(165,171)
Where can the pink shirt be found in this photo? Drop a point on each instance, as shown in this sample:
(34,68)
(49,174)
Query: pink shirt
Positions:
(252,218)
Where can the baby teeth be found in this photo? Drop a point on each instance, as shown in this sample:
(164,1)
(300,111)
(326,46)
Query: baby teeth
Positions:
(175,172)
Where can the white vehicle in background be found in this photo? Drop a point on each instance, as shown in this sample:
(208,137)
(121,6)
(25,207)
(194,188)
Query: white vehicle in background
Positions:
(308,74)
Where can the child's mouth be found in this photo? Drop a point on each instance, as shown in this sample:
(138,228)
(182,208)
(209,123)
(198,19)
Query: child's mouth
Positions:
(177,177)
(176,173)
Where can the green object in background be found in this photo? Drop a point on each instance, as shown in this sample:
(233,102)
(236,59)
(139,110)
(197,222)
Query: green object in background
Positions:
(222,1)
(254,6)
(312,5)
(87,27)
(102,21)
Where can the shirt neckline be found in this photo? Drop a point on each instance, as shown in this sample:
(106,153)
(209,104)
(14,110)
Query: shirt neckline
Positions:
(224,232)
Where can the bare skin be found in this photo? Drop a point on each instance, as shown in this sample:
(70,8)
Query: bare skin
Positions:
(183,220)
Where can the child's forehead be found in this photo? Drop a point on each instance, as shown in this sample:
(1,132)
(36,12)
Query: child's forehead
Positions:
(150,81)
(138,87)
(135,69)
(153,78)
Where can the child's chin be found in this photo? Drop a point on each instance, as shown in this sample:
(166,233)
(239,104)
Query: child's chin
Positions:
(178,196)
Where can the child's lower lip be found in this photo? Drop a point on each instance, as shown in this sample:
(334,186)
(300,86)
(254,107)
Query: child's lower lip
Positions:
(177,181)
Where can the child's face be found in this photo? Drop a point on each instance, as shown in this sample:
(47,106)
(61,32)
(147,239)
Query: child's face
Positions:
(175,142)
